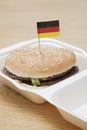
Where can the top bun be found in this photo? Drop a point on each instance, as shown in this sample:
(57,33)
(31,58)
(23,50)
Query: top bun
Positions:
(28,62)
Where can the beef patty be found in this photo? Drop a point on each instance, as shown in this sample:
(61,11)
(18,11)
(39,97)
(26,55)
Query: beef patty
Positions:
(49,81)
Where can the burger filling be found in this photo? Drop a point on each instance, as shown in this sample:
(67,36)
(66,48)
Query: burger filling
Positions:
(35,82)
(43,81)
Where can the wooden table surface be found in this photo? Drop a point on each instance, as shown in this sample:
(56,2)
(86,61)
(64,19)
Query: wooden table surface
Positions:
(18,23)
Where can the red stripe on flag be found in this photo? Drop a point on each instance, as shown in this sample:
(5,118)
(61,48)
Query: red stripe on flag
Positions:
(48,29)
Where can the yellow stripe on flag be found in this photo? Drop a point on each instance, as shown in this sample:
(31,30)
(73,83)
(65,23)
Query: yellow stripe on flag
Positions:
(49,34)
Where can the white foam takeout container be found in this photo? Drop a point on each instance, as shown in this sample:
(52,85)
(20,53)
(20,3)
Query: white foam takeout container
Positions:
(68,96)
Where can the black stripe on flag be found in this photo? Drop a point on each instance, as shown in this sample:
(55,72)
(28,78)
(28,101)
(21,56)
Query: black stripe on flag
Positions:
(47,24)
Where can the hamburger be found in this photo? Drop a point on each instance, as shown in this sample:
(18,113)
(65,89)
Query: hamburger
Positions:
(50,66)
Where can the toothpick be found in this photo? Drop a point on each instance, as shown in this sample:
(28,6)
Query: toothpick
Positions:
(38,40)
(39,45)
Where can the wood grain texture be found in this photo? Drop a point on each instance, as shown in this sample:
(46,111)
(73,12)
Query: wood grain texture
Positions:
(18,23)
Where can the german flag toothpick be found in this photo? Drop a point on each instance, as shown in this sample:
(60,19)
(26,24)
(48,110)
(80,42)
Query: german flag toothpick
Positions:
(48,29)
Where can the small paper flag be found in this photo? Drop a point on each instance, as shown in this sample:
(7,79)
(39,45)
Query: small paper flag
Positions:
(48,29)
